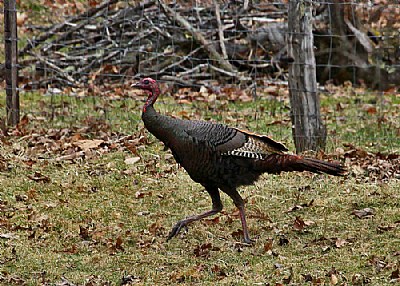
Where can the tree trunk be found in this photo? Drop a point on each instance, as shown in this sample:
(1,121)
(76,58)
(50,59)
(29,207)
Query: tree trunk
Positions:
(309,133)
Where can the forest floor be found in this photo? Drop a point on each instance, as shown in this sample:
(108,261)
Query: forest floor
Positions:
(88,197)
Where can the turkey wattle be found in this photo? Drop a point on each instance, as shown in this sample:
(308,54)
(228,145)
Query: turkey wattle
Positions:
(220,157)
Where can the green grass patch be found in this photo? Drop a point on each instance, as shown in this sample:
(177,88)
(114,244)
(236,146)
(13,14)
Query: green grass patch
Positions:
(98,221)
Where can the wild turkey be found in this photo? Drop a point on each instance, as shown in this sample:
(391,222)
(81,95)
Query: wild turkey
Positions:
(221,157)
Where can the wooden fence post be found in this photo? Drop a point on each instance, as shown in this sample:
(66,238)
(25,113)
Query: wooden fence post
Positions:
(309,133)
(11,62)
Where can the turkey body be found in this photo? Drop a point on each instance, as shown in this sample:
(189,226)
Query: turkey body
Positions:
(200,148)
(220,157)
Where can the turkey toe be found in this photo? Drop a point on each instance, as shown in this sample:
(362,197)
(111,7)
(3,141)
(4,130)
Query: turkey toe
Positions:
(177,228)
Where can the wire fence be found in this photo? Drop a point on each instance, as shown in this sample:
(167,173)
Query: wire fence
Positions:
(219,59)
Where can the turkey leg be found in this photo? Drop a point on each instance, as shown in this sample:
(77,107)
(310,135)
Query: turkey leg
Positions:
(216,208)
(239,203)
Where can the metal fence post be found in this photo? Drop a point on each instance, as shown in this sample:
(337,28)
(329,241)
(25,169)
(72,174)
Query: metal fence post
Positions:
(11,62)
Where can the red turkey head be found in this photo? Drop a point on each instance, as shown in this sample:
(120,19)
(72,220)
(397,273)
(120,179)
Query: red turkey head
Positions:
(150,86)
(147,84)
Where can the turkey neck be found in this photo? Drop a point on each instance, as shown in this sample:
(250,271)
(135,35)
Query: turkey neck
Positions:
(159,125)
(153,121)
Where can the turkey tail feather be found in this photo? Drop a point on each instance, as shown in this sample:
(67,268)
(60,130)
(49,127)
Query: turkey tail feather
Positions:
(277,163)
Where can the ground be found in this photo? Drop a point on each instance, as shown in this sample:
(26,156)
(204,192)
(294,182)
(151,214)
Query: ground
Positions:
(89,197)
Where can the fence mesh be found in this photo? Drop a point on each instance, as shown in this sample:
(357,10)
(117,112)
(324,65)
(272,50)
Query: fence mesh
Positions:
(220,60)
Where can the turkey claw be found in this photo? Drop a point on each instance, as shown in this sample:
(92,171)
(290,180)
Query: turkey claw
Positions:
(249,241)
(176,229)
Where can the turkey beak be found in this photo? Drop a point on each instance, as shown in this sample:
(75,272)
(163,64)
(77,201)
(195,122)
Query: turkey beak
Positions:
(136,85)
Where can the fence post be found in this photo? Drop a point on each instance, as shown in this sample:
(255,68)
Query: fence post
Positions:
(309,133)
(11,62)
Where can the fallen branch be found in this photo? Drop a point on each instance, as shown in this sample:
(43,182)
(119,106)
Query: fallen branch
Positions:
(220,30)
(209,47)
(57,69)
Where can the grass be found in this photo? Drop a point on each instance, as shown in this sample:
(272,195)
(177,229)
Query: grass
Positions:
(99,221)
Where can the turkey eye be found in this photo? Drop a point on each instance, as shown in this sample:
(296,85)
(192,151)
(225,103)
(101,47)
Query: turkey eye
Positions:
(146,81)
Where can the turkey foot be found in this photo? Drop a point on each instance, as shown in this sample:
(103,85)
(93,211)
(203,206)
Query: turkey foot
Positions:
(217,207)
(177,228)
(249,241)
(246,237)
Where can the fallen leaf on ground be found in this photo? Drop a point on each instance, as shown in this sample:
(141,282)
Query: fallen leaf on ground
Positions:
(88,144)
(299,223)
(268,245)
(72,156)
(140,195)
(364,213)
(340,242)
(8,235)
(307,277)
(378,263)
(38,177)
(395,274)
(202,250)
(333,279)
(131,160)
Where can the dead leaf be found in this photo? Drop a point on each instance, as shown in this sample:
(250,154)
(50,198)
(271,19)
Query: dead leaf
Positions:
(156,228)
(307,277)
(211,221)
(369,108)
(325,248)
(71,250)
(364,213)
(395,274)
(218,271)
(299,224)
(202,250)
(309,222)
(294,208)
(287,279)
(38,177)
(22,124)
(130,280)
(268,245)
(21,18)
(143,213)
(378,263)
(9,235)
(131,160)
(333,279)
(340,242)
(72,156)
(382,228)
(140,195)
(278,266)
(21,198)
(237,234)
(118,243)
(87,144)
(283,241)
(84,233)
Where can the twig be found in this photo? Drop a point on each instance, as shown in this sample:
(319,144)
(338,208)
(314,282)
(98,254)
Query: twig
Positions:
(57,69)
(220,30)
(237,75)
(200,38)
(176,63)
(192,70)
(55,29)
(178,80)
